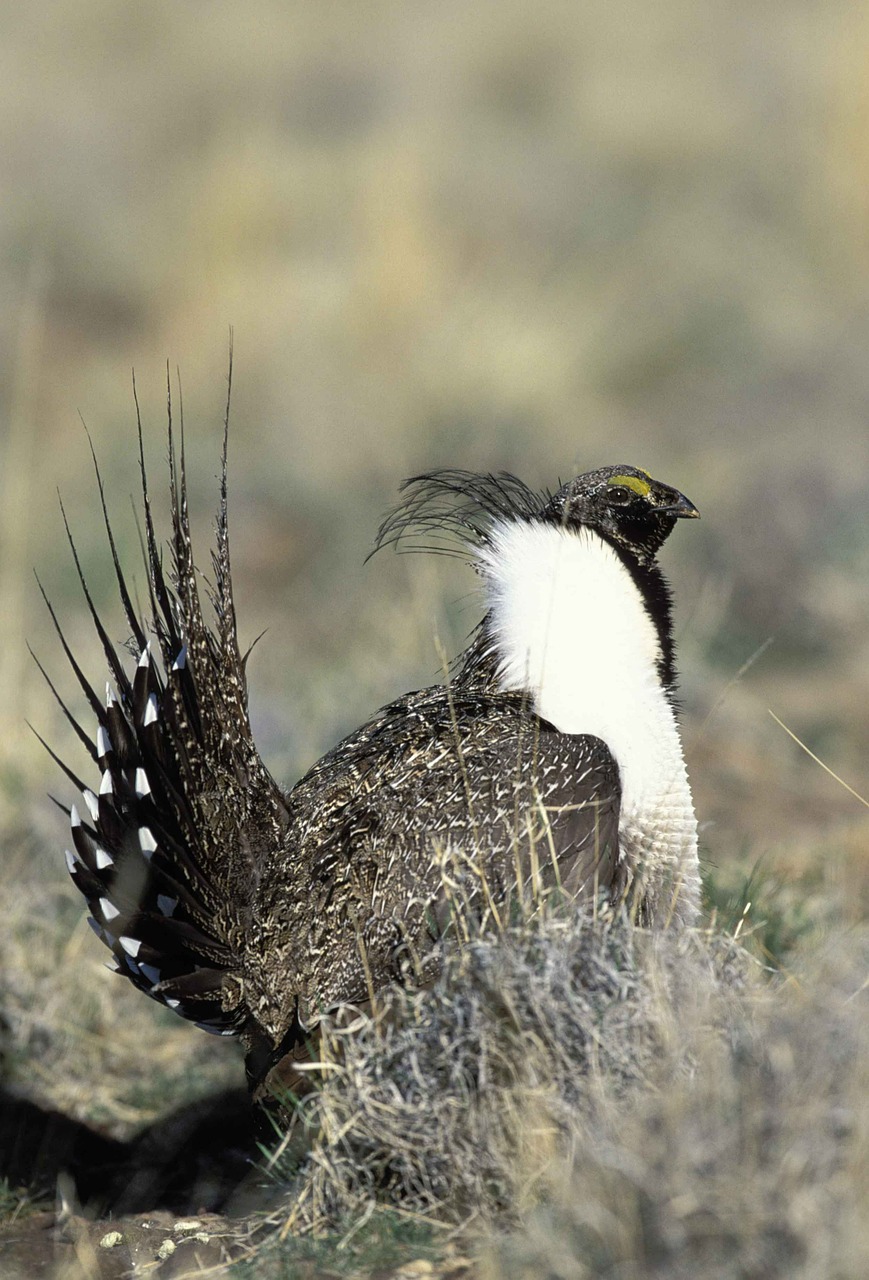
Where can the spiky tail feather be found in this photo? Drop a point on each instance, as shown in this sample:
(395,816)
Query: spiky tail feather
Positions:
(167,853)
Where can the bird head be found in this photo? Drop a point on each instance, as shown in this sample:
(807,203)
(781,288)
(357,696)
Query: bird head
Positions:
(622,503)
(449,510)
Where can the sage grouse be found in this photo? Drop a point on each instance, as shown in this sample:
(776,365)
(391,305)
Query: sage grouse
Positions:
(552,752)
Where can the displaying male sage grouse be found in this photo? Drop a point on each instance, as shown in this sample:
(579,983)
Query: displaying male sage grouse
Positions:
(552,753)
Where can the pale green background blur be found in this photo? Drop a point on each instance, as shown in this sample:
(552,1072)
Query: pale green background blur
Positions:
(540,237)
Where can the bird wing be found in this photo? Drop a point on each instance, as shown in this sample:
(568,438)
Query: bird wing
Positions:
(448,800)
(444,812)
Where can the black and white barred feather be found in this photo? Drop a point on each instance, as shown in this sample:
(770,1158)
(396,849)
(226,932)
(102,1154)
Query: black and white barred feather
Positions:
(167,850)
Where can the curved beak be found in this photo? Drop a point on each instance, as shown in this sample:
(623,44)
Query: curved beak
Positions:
(676,504)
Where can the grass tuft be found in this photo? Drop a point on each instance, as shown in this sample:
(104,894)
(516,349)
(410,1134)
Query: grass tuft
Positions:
(580,1097)
(453,1101)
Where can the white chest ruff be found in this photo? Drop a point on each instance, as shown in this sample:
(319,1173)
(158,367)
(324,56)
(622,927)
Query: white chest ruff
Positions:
(570,625)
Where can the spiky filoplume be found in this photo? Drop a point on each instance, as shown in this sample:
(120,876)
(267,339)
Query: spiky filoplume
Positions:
(251,910)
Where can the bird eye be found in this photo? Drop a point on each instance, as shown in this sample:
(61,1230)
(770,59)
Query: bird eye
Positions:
(618,495)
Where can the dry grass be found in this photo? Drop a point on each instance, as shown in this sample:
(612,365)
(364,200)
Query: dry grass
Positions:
(580,1098)
(454,1102)
(754,1164)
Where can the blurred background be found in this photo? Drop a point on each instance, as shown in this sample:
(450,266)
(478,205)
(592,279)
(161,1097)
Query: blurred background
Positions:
(535,237)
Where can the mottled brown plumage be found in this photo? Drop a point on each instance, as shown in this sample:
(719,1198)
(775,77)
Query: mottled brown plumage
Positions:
(251,910)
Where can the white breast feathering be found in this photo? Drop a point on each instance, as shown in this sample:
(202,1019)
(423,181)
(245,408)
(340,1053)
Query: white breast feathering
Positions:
(570,625)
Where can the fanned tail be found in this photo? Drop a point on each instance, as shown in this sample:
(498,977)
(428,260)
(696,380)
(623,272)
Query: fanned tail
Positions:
(167,851)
